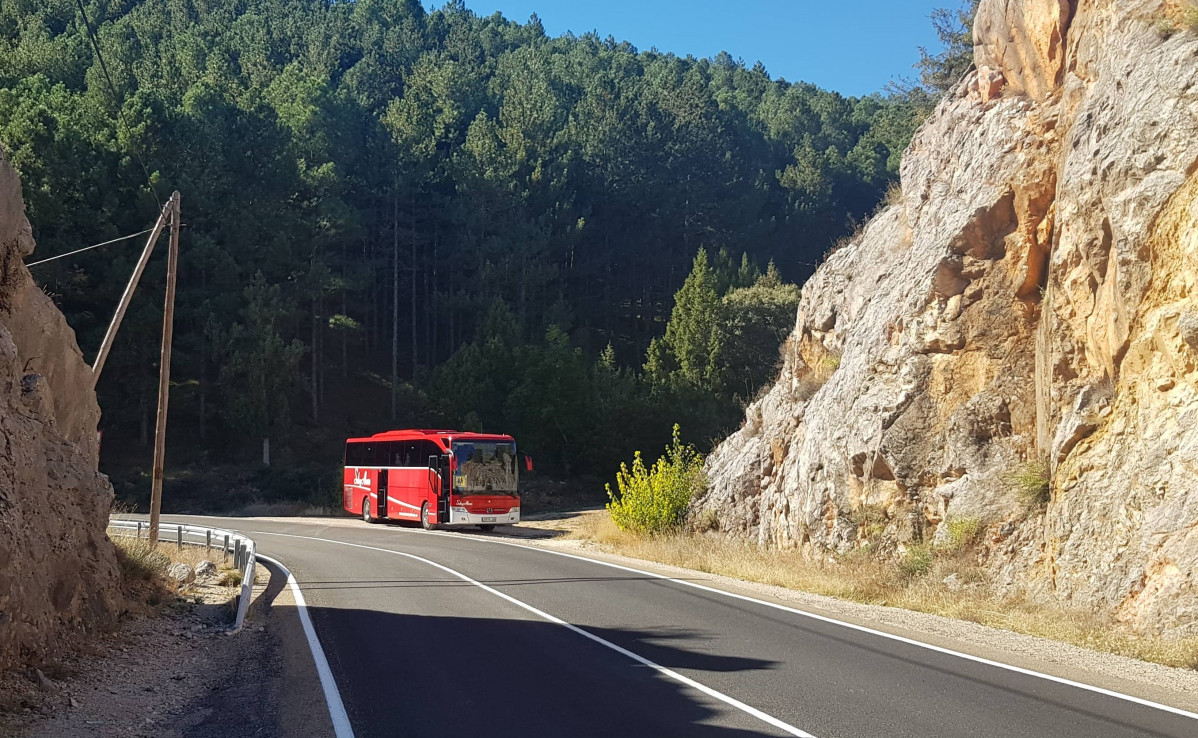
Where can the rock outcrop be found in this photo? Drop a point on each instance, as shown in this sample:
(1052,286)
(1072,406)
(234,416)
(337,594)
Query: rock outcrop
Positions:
(1025,310)
(58,570)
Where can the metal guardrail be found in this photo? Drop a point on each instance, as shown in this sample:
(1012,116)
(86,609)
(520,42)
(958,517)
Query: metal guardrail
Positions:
(228,542)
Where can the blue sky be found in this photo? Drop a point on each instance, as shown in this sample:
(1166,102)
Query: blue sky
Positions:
(852,47)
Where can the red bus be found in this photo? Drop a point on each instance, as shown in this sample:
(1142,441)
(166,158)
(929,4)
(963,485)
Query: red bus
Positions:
(437,477)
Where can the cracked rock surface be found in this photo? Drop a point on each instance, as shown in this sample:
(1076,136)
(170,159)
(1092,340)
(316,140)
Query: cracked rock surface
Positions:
(1025,306)
(58,570)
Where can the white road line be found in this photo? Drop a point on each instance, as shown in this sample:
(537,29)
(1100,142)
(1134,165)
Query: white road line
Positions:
(764,717)
(833,621)
(332,697)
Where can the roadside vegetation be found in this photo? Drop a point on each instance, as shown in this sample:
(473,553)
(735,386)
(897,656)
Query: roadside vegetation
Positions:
(655,500)
(144,567)
(944,581)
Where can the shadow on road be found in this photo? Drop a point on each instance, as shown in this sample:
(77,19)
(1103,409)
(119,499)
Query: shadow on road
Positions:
(424,675)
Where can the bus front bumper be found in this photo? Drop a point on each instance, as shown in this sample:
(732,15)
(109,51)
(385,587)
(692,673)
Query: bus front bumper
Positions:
(461,516)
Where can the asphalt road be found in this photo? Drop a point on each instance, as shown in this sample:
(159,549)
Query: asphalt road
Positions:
(451,635)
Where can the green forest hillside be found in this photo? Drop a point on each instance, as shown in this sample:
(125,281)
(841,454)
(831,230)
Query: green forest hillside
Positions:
(434,217)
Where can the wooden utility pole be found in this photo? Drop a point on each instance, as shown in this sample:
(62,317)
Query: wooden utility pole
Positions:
(164,367)
(121,307)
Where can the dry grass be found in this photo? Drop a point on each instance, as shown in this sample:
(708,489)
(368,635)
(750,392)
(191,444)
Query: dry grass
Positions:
(1188,16)
(1181,15)
(144,564)
(169,553)
(1032,484)
(139,559)
(915,583)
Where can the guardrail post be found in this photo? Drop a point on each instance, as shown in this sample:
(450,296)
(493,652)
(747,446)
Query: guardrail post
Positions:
(208,539)
(179,536)
(139,529)
(225,550)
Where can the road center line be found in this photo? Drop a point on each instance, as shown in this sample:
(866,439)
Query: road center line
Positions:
(764,717)
(341,727)
(833,621)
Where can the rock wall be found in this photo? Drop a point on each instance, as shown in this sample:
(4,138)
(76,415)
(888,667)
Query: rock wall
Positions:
(1028,299)
(58,570)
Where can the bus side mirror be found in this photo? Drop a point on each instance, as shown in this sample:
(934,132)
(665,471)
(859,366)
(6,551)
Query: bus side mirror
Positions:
(527,463)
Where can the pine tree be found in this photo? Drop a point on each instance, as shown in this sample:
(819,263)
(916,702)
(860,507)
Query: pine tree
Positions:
(954,27)
(693,340)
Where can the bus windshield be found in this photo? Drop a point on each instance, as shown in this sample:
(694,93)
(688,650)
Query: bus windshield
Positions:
(485,467)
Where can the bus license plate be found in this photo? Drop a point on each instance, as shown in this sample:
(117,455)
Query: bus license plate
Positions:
(489,520)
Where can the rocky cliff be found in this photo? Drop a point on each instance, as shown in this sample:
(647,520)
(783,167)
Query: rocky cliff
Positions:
(58,570)
(1021,321)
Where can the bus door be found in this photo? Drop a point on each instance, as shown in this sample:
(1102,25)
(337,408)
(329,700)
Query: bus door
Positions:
(440,466)
(382,506)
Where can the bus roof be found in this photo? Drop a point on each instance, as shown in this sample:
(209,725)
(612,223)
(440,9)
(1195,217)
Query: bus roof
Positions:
(421,433)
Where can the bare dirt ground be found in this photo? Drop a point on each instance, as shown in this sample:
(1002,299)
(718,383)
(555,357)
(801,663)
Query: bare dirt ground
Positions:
(180,673)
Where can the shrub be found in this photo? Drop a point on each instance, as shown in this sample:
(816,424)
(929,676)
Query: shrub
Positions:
(655,500)
(871,518)
(819,371)
(1032,484)
(917,560)
(962,533)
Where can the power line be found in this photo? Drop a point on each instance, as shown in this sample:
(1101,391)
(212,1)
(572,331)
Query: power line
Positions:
(89,248)
(116,99)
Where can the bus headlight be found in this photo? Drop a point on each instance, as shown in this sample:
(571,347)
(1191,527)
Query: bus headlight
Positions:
(458,510)
(515,511)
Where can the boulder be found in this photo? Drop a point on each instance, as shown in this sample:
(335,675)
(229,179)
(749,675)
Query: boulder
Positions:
(182,574)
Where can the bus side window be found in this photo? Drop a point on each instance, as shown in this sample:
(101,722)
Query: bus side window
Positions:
(383,454)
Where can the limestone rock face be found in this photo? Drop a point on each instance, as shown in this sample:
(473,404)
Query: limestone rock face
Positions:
(1025,39)
(1030,298)
(58,570)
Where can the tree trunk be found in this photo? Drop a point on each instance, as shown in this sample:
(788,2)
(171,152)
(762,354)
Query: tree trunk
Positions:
(203,363)
(344,311)
(203,385)
(144,430)
(315,363)
(395,304)
(412,268)
(430,319)
(320,346)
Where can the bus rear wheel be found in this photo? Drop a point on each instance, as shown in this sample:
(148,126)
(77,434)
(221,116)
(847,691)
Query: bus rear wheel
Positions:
(366,511)
(424,522)
(486,528)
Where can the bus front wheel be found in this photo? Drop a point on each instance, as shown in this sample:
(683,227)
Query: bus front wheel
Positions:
(424,522)
(366,511)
